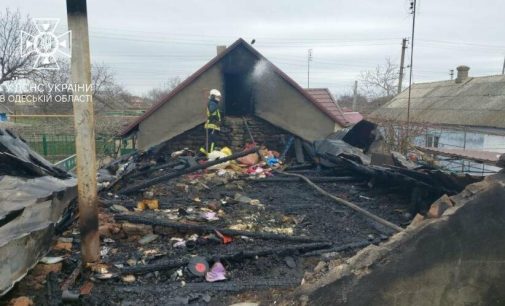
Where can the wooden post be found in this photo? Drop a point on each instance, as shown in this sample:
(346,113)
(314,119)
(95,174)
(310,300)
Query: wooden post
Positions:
(402,63)
(355,97)
(84,124)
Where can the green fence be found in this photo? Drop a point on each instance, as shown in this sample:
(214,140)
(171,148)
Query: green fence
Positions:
(67,164)
(58,147)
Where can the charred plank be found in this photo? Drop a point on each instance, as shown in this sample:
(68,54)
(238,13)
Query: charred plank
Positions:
(210,229)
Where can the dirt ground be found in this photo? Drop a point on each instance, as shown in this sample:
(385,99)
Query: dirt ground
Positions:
(292,208)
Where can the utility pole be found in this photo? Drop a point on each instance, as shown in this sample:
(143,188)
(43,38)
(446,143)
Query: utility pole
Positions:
(451,73)
(84,124)
(413,11)
(402,61)
(355,97)
(309,59)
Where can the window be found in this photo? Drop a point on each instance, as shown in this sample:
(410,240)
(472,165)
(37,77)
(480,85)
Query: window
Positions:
(432,141)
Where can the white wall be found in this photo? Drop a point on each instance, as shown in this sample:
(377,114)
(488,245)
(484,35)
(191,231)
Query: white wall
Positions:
(456,139)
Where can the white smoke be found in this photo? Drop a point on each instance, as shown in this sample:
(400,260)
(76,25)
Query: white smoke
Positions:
(260,70)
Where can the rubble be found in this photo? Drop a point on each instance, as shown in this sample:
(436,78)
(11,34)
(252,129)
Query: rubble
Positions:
(200,232)
(148,238)
(166,177)
(439,207)
(427,255)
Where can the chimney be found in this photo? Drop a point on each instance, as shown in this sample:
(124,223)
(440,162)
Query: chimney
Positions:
(462,73)
(220,49)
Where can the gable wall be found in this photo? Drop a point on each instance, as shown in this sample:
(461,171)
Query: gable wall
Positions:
(185,111)
(275,100)
(281,104)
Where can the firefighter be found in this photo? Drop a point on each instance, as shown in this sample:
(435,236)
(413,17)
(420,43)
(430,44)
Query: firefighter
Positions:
(213,124)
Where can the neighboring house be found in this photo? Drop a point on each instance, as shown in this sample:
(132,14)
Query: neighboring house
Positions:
(466,114)
(252,87)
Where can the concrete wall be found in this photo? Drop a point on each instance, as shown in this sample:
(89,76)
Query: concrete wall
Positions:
(185,111)
(280,104)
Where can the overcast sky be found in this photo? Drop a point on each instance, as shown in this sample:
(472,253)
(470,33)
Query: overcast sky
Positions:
(147,42)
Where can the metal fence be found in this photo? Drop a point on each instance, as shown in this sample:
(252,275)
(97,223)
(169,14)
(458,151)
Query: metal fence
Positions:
(58,147)
(67,164)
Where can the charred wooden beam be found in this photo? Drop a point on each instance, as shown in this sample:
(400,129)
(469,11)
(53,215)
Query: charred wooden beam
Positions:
(228,286)
(211,229)
(300,167)
(238,256)
(340,248)
(319,179)
(393,176)
(238,286)
(169,176)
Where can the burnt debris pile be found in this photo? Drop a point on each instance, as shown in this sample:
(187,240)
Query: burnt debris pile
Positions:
(183,227)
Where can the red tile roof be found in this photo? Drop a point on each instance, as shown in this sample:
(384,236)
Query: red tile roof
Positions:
(325,100)
(335,116)
(353,117)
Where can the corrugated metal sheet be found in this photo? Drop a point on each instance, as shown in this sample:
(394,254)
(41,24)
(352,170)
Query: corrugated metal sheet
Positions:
(478,101)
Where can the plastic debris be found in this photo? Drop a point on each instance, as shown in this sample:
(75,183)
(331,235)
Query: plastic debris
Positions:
(224,238)
(215,155)
(51,260)
(216,273)
(198,266)
(209,216)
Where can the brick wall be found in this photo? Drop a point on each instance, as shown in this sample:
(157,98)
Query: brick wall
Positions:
(234,135)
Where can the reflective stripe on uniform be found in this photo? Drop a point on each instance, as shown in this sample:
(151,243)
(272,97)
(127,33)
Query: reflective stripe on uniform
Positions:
(213,120)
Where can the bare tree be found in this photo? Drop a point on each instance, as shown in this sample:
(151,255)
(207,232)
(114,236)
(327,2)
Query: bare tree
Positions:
(380,82)
(156,94)
(107,94)
(12,62)
(399,136)
(345,101)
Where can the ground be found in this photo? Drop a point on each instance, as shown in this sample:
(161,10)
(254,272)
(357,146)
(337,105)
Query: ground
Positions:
(291,208)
